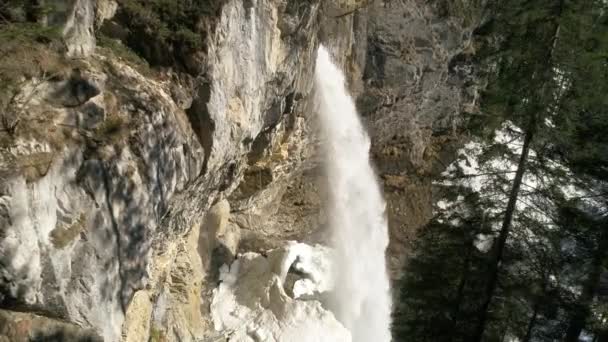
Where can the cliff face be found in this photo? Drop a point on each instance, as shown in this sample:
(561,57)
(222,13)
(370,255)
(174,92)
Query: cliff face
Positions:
(419,79)
(123,188)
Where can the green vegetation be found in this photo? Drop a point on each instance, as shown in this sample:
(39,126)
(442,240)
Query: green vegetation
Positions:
(62,236)
(34,166)
(29,32)
(164,31)
(119,50)
(468,11)
(112,129)
(24,10)
(27,50)
(157,335)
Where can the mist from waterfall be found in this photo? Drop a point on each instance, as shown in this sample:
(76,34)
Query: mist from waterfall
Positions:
(361,300)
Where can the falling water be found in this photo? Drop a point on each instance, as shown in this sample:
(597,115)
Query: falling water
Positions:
(361,300)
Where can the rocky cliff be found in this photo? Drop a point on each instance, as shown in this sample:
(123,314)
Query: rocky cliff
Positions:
(148,145)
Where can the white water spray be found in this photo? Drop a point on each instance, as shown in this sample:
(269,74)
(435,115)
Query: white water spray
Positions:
(361,300)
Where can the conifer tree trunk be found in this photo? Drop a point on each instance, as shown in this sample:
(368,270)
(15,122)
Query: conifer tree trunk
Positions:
(602,336)
(530,132)
(537,304)
(466,266)
(532,322)
(583,308)
(499,246)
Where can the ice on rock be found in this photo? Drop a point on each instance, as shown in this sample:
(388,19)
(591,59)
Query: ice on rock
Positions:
(251,303)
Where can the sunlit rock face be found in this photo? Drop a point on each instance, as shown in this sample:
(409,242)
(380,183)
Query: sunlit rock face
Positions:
(18,326)
(76,19)
(105,192)
(83,191)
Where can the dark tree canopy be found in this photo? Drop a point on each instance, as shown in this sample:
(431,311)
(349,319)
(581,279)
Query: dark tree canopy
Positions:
(539,196)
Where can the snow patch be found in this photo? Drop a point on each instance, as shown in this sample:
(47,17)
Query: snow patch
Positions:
(251,303)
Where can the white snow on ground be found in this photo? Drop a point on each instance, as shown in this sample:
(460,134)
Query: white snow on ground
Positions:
(472,172)
(489,178)
(252,304)
(483,242)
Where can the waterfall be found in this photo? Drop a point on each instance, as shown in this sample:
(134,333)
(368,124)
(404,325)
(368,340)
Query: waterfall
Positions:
(361,300)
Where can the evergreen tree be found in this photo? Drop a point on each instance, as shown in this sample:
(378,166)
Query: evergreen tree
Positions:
(540,194)
(444,276)
(548,63)
(523,87)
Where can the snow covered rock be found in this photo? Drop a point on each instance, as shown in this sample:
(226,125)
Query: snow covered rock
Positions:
(251,303)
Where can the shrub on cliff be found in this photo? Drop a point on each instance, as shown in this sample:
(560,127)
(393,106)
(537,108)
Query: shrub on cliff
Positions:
(165,32)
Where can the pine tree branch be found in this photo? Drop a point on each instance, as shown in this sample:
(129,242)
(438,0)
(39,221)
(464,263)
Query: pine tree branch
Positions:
(484,174)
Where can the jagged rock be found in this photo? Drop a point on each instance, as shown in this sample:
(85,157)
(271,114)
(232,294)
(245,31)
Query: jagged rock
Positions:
(412,102)
(220,238)
(251,303)
(218,222)
(104,10)
(76,90)
(26,327)
(78,26)
(79,233)
(340,8)
(174,306)
(136,326)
